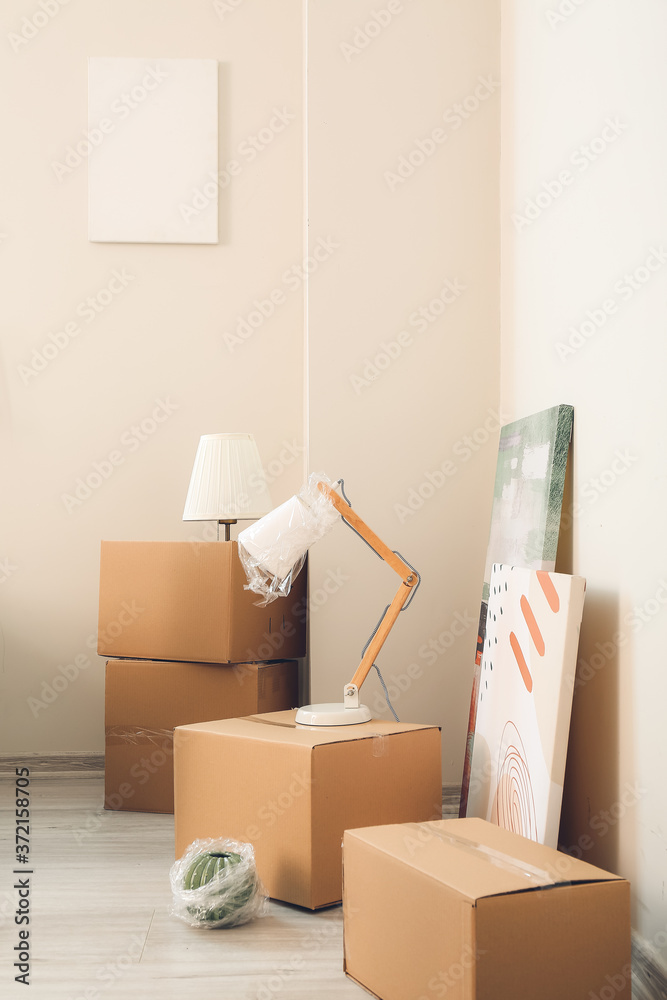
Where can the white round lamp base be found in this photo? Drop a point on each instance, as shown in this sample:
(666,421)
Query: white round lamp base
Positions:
(332,714)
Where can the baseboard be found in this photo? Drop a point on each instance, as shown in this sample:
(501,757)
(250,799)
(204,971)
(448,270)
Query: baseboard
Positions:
(649,977)
(65,762)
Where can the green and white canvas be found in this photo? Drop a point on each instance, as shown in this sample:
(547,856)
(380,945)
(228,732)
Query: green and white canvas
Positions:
(525,518)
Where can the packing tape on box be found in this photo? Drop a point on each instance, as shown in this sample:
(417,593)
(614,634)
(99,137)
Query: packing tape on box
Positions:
(137,736)
(537,877)
(379,746)
(378,749)
(268,722)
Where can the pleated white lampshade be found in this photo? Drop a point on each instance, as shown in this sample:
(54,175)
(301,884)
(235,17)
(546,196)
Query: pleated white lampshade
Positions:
(228,481)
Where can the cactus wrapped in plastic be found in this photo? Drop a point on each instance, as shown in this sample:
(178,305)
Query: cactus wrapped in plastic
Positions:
(215,884)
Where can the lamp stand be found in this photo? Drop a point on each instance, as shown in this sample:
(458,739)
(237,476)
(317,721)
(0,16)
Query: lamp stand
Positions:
(349,711)
(227,525)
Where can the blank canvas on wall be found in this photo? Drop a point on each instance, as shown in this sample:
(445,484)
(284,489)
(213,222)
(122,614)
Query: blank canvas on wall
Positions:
(525,700)
(153,129)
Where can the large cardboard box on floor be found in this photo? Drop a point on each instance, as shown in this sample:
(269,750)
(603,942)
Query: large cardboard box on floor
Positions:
(145,701)
(292,790)
(467,910)
(186,601)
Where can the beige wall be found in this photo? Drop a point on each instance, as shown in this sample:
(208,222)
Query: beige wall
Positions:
(583,322)
(394,394)
(387,233)
(161,338)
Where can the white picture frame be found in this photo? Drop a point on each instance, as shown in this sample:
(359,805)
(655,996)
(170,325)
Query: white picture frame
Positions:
(153,136)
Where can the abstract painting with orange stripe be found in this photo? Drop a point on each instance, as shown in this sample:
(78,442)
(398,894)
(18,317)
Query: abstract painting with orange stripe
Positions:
(525,700)
(525,519)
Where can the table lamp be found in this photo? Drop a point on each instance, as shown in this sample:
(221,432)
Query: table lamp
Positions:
(228,482)
(273,550)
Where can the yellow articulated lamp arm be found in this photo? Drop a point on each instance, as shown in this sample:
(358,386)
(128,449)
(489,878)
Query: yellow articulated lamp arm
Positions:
(409,581)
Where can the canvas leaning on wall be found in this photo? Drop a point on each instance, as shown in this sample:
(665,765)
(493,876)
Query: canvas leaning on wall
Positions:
(525,700)
(525,518)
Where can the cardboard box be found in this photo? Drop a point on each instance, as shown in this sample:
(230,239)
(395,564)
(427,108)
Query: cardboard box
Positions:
(145,700)
(292,790)
(467,910)
(186,601)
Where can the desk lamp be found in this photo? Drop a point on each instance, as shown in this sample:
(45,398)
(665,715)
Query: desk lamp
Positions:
(273,550)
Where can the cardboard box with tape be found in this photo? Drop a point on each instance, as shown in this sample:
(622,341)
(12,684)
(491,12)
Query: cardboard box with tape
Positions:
(467,910)
(145,701)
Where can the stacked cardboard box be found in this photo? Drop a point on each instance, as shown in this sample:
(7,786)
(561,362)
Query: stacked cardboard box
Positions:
(190,645)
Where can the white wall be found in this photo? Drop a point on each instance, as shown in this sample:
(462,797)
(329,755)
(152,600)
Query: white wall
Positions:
(393,395)
(161,338)
(584,94)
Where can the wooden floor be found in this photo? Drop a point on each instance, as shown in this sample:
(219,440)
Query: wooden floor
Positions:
(100,927)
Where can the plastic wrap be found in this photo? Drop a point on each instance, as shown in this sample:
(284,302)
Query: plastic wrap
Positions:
(232,897)
(137,736)
(273,549)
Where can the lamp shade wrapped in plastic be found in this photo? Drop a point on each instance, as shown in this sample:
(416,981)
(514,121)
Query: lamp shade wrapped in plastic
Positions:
(274,549)
(227,481)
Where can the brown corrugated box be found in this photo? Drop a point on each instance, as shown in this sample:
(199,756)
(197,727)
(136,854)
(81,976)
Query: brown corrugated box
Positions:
(186,601)
(467,910)
(145,701)
(292,790)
